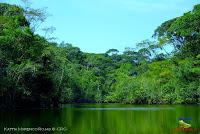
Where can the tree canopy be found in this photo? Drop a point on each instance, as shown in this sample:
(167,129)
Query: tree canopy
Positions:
(36,72)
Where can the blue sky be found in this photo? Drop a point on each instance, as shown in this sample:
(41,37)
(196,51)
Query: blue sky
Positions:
(98,25)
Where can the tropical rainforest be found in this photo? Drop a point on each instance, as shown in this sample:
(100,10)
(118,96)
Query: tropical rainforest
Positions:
(38,72)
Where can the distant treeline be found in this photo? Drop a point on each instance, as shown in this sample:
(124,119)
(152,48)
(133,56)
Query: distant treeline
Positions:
(37,72)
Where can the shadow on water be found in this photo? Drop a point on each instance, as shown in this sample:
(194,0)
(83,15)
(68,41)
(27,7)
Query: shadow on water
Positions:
(103,118)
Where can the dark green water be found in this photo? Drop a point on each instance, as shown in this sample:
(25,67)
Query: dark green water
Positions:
(103,119)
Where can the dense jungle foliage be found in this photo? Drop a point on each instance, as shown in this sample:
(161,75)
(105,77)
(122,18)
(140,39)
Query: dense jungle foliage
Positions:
(37,72)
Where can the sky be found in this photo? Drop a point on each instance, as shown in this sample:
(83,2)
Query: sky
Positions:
(99,25)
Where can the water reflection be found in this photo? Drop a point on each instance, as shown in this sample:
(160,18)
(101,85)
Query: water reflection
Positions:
(132,108)
(104,118)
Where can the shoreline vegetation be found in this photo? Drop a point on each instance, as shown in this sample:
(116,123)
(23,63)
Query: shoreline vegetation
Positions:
(61,106)
(37,72)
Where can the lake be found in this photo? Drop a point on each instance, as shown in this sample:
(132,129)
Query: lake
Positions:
(101,119)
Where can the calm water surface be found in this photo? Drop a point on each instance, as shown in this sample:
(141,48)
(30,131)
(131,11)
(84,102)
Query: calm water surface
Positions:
(103,119)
